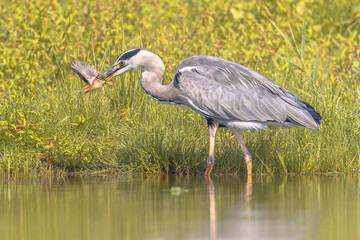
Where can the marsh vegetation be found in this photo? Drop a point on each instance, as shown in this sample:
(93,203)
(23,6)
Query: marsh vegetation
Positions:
(46,125)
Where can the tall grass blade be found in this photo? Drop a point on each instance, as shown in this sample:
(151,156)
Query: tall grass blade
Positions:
(303,40)
(316,67)
(293,38)
(285,37)
(268,169)
(60,122)
(290,62)
(281,159)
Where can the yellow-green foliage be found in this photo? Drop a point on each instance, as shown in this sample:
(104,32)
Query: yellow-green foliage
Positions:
(46,124)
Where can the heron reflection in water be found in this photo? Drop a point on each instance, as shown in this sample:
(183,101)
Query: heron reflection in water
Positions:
(212,203)
(226,94)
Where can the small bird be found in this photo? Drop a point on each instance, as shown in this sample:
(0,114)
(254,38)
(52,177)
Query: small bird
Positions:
(226,94)
(88,74)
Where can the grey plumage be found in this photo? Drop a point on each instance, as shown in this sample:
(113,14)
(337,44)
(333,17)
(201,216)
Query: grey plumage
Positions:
(226,91)
(226,94)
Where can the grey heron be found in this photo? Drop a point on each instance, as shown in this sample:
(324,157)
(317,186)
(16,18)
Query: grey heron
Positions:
(226,94)
(88,74)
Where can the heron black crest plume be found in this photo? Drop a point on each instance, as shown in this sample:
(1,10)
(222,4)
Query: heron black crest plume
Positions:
(128,54)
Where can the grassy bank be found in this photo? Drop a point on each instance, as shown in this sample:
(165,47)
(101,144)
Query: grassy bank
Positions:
(46,124)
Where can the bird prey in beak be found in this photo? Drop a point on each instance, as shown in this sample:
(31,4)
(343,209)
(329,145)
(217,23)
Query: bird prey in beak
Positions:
(88,74)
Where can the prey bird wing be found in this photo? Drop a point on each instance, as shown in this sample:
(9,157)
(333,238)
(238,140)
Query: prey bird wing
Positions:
(85,71)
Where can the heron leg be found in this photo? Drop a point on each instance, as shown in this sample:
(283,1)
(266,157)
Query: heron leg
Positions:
(211,159)
(247,156)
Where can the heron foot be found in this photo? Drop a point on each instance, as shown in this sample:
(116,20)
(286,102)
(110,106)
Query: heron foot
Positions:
(209,165)
(248,162)
(209,181)
(208,170)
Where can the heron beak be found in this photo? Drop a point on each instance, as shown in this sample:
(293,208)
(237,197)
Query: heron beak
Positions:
(109,74)
(115,71)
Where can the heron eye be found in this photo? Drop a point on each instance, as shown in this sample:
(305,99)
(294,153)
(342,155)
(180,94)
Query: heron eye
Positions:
(121,63)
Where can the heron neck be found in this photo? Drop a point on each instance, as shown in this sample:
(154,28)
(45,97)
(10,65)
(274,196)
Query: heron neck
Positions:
(151,83)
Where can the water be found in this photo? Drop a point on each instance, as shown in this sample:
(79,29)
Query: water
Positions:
(306,207)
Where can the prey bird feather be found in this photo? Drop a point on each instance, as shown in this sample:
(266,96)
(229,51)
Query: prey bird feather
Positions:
(88,74)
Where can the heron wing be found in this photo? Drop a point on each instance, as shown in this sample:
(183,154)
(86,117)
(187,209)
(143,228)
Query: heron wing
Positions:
(229,91)
(85,71)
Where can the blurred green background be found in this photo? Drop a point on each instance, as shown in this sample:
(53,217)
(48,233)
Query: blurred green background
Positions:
(47,126)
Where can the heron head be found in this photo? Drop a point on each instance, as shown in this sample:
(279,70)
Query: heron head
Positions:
(135,59)
(123,64)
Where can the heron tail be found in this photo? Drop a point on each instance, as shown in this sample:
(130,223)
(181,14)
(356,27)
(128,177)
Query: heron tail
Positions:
(304,114)
(315,115)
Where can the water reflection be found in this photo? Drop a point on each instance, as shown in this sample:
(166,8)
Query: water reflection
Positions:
(224,207)
(212,209)
(212,203)
(251,220)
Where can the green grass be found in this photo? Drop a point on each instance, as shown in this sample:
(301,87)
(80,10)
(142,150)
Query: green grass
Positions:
(47,126)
